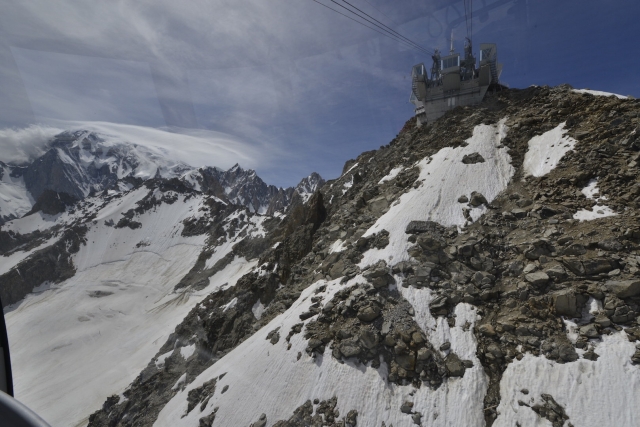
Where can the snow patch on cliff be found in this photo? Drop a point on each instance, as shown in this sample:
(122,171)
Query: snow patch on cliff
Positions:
(445,178)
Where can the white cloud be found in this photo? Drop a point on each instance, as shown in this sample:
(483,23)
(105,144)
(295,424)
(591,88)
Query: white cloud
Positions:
(84,88)
(198,33)
(195,147)
(191,146)
(305,88)
(19,146)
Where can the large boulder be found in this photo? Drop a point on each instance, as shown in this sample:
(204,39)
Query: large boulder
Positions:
(454,366)
(460,273)
(349,349)
(539,248)
(568,303)
(589,267)
(574,265)
(368,313)
(537,278)
(473,158)
(407,361)
(431,242)
(610,245)
(624,288)
(337,269)
(477,199)
(556,272)
(598,265)
(378,275)
(417,227)
(575,249)
(378,205)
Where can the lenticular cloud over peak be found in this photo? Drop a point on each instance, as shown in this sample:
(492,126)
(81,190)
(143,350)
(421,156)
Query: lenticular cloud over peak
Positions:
(20,145)
(193,147)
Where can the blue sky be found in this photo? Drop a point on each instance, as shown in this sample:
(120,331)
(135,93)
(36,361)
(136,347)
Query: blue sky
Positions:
(296,86)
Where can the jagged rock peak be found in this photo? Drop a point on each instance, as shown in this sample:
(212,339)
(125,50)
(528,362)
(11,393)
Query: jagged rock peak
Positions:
(309,185)
(81,163)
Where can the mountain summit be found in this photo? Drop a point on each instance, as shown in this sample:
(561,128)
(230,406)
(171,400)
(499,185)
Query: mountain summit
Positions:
(84,163)
(481,270)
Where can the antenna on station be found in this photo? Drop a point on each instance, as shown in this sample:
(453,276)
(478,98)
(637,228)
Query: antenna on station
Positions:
(451,50)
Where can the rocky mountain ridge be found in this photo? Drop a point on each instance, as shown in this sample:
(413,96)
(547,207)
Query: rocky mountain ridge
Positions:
(79,164)
(528,263)
(100,237)
(478,271)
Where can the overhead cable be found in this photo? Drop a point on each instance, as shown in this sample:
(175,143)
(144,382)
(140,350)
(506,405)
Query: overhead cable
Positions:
(385,33)
(390,33)
(389,28)
(354,20)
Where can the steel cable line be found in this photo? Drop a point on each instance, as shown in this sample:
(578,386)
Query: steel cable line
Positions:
(381,12)
(410,43)
(364,25)
(386,33)
(389,28)
(430,17)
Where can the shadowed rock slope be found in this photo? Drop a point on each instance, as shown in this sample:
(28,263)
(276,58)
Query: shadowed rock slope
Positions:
(500,236)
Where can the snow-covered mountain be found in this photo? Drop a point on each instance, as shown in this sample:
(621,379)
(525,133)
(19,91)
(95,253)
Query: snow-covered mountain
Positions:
(478,271)
(244,187)
(84,163)
(105,247)
(15,200)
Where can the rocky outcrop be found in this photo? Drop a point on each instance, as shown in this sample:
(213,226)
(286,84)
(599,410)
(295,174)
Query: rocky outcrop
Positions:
(368,323)
(526,264)
(317,414)
(52,264)
(244,187)
(51,202)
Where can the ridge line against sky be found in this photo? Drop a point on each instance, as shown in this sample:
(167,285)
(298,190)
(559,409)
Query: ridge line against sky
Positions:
(195,147)
(301,88)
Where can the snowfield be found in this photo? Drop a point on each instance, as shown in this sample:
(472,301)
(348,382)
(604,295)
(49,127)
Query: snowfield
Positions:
(546,150)
(597,211)
(593,393)
(445,178)
(391,175)
(599,93)
(79,341)
(15,200)
(266,378)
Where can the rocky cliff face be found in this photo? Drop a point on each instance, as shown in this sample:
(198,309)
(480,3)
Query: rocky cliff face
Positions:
(481,270)
(487,260)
